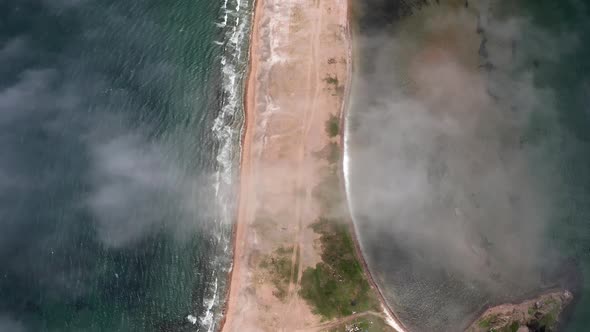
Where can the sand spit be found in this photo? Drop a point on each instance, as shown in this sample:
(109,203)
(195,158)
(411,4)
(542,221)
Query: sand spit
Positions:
(299,68)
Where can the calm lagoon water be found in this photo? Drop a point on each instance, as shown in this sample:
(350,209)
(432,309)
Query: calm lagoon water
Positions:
(468,154)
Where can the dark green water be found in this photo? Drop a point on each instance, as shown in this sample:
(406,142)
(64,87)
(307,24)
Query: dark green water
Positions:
(118,141)
(568,74)
(473,206)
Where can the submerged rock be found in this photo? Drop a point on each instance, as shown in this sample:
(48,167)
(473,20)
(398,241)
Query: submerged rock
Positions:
(539,314)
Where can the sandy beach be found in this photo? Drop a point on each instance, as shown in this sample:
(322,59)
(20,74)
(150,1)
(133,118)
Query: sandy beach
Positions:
(299,71)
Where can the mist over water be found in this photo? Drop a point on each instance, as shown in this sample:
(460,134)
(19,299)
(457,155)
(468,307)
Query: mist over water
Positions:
(118,140)
(460,144)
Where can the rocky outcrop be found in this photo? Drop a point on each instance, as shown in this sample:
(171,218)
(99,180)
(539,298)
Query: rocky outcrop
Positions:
(537,315)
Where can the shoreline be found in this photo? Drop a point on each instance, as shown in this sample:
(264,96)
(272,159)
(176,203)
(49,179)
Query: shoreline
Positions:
(396,322)
(237,231)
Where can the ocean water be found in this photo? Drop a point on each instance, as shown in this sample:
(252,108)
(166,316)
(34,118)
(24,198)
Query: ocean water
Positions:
(467,155)
(120,123)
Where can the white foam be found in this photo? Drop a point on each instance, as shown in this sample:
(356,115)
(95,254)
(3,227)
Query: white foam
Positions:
(207,319)
(192,319)
(225,13)
(234,22)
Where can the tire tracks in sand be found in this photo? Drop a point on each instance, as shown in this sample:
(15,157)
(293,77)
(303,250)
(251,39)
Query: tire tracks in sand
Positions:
(303,203)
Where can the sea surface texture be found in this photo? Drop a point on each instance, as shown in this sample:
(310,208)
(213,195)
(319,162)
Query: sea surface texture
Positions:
(118,147)
(468,155)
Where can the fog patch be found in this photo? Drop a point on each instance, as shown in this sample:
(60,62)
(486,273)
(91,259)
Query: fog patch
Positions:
(13,48)
(138,190)
(446,182)
(9,325)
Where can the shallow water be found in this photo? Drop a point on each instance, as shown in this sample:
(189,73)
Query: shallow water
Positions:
(466,154)
(120,123)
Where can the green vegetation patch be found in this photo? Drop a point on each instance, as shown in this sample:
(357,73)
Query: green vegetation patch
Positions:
(330,152)
(333,153)
(333,126)
(487,321)
(337,286)
(513,327)
(284,251)
(279,266)
(331,80)
(548,320)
